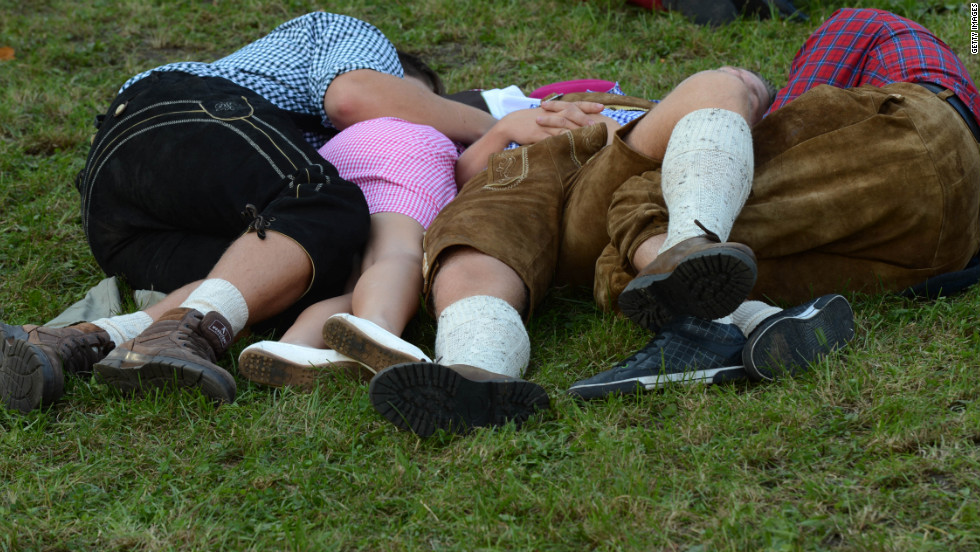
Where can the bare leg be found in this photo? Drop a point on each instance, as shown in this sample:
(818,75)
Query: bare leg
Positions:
(271,274)
(648,251)
(172,300)
(308,328)
(387,293)
(385,297)
(467,272)
(722,89)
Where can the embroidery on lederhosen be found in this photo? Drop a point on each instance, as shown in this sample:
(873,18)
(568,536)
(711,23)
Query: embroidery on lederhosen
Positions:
(507,169)
(510,167)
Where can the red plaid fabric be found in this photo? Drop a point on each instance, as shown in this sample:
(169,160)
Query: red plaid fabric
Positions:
(864,46)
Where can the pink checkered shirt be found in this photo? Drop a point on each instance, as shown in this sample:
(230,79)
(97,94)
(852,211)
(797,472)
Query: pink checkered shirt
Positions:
(401,167)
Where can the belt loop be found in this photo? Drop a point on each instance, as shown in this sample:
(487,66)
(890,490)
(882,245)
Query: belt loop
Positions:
(947,95)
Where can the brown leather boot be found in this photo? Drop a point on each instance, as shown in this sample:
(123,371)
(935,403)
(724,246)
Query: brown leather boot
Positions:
(699,277)
(424,396)
(178,350)
(35,359)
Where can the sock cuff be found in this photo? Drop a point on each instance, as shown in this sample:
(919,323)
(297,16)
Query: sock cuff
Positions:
(721,125)
(486,332)
(221,296)
(478,307)
(750,314)
(123,327)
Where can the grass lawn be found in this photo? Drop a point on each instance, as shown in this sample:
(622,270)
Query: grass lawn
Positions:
(877,448)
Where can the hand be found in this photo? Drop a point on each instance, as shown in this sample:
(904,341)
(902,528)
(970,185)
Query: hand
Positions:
(569,115)
(528,126)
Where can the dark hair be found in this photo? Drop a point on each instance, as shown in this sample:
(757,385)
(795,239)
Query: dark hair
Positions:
(415,67)
(770,89)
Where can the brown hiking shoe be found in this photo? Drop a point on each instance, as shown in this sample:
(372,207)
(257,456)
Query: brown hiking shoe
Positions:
(699,277)
(35,359)
(178,350)
(424,396)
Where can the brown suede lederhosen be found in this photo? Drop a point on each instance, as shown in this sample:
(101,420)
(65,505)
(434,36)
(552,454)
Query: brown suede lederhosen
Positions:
(541,209)
(870,189)
(864,189)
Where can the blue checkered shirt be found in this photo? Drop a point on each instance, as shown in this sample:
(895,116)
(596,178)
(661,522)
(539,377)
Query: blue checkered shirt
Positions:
(294,64)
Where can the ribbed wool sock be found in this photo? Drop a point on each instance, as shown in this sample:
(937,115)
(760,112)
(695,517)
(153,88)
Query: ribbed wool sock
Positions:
(215,294)
(750,314)
(485,332)
(706,174)
(124,327)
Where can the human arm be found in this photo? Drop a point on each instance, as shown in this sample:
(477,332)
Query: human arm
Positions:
(364,94)
(527,126)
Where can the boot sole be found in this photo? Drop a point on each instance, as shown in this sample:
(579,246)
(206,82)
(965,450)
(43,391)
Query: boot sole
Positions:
(423,397)
(136,373)
(788,346)
(706,285)
(347,339)
(268,369)
(28,380)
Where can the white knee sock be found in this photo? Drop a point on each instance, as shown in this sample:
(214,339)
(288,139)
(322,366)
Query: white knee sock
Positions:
(485,332)
(706,174)
(215,294)
(124,327)
(750,314)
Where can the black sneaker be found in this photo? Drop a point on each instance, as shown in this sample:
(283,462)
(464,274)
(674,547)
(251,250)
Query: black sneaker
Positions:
(787,343)
(424,396)
(687,350)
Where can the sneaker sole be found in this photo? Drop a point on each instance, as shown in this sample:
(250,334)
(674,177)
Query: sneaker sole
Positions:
(136,373)
(707,285)
(28,380)
(724,374)
(347,339)
(789,345)
(268,369)
(424,397)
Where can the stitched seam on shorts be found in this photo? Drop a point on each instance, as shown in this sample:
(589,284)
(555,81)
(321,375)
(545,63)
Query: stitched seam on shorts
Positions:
(571,150)
(118,125)
(93,176)
(942,189)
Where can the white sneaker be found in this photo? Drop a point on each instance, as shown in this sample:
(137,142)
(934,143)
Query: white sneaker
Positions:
(277,364)
(369,343)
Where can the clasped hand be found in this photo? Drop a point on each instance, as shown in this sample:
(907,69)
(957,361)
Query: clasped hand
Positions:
(528,126)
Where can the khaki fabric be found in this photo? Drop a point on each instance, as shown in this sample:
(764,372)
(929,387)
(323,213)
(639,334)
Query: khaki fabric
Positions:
(868,189)
(102,301)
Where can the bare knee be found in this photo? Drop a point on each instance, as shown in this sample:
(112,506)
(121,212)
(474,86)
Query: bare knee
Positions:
(466,272)
(727,87)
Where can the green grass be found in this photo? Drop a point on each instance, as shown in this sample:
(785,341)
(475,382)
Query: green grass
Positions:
(875,449)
